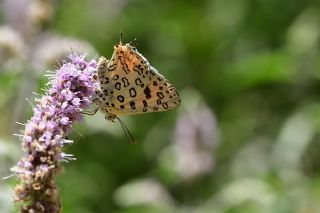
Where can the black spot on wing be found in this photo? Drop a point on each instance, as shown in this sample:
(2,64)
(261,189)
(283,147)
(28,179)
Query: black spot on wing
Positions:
(105,92)
(116,77)
(133,105)
(132,92)
(118,85)
(160,95)
(126,68)
(125,81)
(138,81)
(145,104)
(139,69)
(165,105)
(147,92)
(112,67)
(120,98)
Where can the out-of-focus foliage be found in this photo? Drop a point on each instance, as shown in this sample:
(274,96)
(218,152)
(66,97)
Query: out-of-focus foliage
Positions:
(246,137)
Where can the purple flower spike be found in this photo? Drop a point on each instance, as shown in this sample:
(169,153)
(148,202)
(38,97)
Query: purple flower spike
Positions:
(70,91)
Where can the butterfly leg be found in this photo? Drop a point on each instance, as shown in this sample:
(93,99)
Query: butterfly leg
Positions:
(92,112)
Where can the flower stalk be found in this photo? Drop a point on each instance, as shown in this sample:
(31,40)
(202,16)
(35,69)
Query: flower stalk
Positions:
(70,91)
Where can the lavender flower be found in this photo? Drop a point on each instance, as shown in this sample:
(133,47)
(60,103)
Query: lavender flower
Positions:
(196,137)
(70,90)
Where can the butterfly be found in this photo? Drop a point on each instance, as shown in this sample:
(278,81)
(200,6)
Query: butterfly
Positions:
(129,85)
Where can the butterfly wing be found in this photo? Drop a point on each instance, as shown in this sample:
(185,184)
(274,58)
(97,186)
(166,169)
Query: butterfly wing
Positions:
(130,85)
(158,95)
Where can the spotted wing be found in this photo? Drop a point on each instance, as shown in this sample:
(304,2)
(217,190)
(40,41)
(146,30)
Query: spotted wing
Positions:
(133,86)
(158,95)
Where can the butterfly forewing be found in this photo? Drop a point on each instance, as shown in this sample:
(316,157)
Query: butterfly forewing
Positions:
(158,95)
(130,85)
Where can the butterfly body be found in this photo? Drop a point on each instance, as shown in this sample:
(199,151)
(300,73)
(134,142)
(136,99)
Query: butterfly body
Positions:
(130,85)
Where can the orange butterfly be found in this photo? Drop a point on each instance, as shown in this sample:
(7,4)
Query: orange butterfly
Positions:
(130,85)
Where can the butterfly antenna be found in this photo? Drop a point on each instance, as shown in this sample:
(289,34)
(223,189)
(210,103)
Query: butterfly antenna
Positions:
(121,36)
(130,137)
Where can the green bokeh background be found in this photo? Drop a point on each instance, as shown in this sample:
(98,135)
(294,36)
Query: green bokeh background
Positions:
(248,72)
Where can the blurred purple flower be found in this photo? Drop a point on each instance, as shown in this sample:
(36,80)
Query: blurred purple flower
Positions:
(196,136)
(70,90)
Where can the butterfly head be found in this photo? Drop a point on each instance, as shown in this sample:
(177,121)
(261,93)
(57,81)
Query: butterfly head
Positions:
(126,50)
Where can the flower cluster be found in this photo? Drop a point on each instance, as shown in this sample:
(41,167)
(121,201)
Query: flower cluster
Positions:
(70,90)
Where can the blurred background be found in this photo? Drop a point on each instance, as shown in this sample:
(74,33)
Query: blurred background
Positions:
(246,138)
